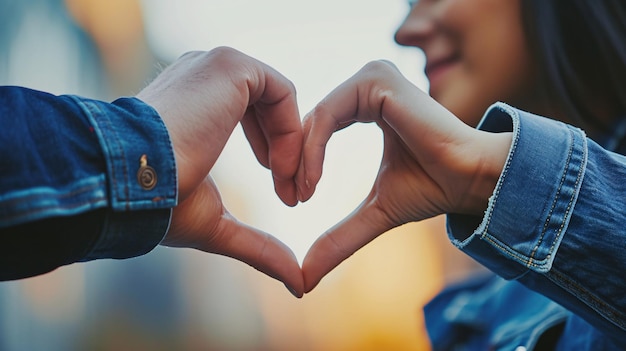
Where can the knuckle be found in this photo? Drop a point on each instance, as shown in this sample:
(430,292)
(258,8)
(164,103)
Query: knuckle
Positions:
(225,52)
(339,246)
(291,86)
(223,57)
(191,54)
(379,69)
(321,109)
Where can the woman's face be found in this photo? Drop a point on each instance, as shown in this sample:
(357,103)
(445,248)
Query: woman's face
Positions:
(475,51)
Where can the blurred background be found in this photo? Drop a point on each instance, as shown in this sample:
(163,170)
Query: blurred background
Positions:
(178,299)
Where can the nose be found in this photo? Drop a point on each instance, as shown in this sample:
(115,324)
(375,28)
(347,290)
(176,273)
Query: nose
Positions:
(417,27)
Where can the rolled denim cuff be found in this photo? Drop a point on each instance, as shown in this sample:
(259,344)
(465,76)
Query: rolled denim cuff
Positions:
(530,209)
(141,176)
(141,169)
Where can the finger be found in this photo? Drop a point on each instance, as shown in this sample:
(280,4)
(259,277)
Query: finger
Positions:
(344,239)
(284,185)
(260,250)
(278,120)
(256,137)
(337,111)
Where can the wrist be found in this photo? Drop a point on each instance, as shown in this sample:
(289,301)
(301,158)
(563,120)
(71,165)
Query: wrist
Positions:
(490,159)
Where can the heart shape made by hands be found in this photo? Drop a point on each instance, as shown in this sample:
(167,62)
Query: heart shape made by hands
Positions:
(352,161)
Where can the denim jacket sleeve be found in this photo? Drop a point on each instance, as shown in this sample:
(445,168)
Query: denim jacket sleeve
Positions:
(555,221)
(64,157)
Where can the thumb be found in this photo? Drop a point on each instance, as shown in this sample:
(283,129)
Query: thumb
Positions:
(259,250)
(341,241)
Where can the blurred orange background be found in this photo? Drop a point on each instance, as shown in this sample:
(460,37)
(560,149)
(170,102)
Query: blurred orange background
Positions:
(174,299)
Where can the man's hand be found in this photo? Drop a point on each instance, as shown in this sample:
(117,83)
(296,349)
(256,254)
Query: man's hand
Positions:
(201,98)
(432,162)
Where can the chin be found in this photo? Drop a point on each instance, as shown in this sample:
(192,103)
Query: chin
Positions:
(463,107)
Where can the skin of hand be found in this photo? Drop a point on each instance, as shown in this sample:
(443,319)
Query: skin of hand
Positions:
(432,162)
(202,97)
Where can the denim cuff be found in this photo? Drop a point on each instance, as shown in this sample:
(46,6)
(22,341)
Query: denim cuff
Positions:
(141,169)
(130,234)
(530,209)
(141,176)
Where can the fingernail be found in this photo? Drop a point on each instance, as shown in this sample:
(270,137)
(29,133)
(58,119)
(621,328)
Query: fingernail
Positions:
(292,291)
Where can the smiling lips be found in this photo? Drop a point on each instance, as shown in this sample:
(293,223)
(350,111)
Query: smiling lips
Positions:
(436,68)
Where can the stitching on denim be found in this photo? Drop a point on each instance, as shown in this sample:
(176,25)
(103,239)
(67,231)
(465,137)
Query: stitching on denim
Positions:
(85,192)
(34,211)
(570,204)
(103,127)
(494,242)
(514,254)
(570,152)
(605,309)
(531,261)
(83,189)
(507,166)
(114,142)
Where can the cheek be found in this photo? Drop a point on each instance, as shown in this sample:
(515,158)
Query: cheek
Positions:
(470,88)
(494,63)
(465,99)
(477,84)
(496,66)
(503,71)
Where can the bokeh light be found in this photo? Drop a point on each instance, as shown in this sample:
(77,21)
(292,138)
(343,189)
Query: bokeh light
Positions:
(179,299)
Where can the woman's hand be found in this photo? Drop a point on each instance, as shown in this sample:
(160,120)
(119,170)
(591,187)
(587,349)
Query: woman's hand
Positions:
(432,162)
(201,98)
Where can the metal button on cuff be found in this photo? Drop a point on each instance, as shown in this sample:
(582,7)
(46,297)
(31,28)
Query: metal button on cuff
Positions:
(146,175)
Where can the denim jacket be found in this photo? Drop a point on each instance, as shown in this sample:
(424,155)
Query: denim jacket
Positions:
(554,230)
(80,179)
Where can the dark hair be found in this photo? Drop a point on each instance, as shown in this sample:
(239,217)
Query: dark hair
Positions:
(580,47)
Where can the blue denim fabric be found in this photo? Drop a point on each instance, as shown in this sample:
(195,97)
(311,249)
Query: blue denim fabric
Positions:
(67,155)
(490,313)
(554,225)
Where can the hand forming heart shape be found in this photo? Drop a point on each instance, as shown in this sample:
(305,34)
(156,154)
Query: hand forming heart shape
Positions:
(432,162)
